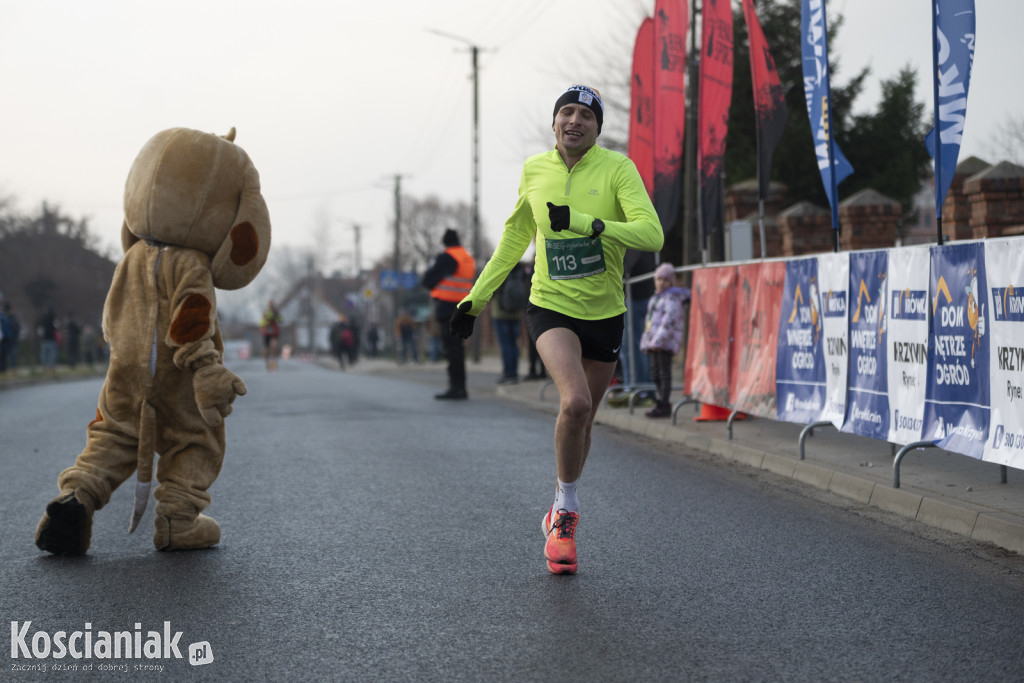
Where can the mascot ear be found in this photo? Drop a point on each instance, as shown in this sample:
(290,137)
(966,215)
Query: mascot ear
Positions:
(127,238)
(244,251)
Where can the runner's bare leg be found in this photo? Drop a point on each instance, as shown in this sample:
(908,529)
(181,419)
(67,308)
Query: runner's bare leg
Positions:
(581,385)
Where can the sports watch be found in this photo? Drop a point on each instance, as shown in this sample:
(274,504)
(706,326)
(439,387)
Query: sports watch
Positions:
(598,227)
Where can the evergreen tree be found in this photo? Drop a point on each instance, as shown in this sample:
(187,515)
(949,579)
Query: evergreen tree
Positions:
(794,163)
(887,147)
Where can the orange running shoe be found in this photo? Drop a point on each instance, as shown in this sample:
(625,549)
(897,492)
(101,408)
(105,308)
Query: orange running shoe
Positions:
(560,548)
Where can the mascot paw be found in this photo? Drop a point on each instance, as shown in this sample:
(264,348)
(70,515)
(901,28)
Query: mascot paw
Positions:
(216,388)
(66,528)
(181,534)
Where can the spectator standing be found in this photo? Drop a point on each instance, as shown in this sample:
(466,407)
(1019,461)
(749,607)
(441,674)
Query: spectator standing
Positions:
(637,263)
(73,340)
(449,279)
(405,337)
(536,368)
(46,332)
(372,340)
(509,302)
(342,341)
(10,331)
(663,334)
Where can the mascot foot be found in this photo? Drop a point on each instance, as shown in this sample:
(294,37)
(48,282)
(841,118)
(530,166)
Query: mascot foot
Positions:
(181,534)
(66,528)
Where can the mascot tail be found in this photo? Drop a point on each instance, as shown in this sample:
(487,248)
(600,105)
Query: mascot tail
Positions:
(144,475)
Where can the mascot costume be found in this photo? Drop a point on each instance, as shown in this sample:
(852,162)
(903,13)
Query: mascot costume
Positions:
(194,221)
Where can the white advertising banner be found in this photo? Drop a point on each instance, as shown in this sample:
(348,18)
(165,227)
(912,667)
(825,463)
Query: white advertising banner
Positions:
(833,286)
(907,333)
(1004,266)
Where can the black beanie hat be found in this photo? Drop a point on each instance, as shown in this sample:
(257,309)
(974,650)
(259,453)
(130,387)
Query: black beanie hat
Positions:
(581,94)
(451,238)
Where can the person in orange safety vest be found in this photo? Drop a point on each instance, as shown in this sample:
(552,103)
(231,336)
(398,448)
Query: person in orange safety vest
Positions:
(449,279)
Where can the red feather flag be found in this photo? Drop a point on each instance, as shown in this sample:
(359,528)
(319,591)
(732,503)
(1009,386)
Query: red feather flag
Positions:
(641,113)
(670,21)
(769,99)
(714,97)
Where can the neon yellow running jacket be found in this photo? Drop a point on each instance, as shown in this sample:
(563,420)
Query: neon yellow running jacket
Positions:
(603,184)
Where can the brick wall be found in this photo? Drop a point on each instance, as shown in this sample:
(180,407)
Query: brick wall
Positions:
(995,201)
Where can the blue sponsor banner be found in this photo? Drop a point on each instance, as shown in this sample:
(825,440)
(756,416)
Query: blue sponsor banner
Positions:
(956,411)
(800,360)
(818,95)
(953,47)
(867,409)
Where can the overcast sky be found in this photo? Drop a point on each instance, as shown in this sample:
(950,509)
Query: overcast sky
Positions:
(333,99)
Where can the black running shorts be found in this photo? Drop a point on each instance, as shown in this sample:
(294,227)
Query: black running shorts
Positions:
(600,339)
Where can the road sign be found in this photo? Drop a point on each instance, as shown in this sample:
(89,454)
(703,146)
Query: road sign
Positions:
(407,279)
(389,280)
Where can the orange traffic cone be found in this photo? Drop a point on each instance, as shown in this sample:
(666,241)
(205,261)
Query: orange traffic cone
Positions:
(711,413)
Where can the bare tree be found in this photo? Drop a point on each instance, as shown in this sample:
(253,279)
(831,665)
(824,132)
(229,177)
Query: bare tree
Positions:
(1006,142)
(423,224)
(606,65)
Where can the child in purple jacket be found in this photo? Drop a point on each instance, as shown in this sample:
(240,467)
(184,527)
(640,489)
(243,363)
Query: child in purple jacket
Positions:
(663,334)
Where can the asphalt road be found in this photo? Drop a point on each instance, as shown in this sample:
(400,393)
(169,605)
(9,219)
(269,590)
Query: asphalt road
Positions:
(371,533)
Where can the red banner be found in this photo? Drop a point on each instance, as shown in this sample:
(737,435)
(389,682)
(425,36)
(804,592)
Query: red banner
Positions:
(714,97)
(670,21)
(707,353)
(641,110)
(755,329)
(769,98)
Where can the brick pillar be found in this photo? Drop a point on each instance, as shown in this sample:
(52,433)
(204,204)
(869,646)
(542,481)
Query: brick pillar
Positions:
(868,220)
(741,200)
(804,228)
(956,213)
(741,205)
(996,200)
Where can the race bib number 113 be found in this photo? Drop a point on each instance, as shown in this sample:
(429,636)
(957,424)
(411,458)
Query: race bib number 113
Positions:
(574,258)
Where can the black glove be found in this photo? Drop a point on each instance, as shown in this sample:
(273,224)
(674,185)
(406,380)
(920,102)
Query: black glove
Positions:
(461,324)
(559,216)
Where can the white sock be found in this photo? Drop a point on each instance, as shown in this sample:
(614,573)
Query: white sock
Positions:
(565,497)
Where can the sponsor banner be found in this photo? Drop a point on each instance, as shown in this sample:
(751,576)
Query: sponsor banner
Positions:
(833,286)
(1004,269)
(907,347)
(818,94)
(956,410)
(641,111)
(755,328)
(707,356)
(800,360)
(867,410)
(953,47)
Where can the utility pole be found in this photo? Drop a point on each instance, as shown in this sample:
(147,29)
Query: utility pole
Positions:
(474,52)
(398,234)
(359,249)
